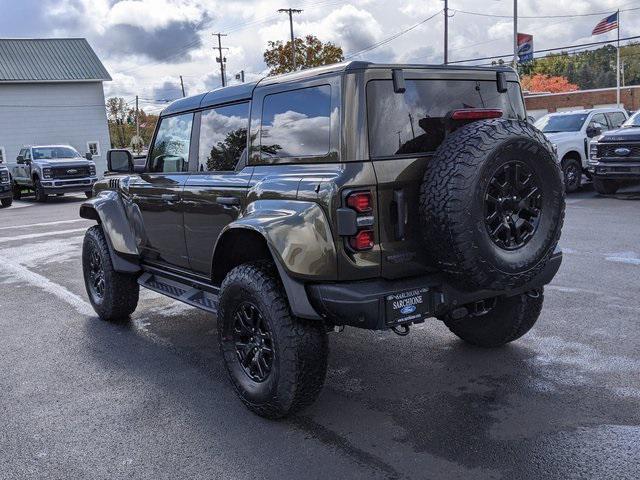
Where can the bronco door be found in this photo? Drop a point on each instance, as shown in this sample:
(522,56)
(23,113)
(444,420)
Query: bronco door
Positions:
(217,188)
(157,193)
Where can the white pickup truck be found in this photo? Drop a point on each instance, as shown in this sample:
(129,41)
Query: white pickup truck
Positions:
(571,133)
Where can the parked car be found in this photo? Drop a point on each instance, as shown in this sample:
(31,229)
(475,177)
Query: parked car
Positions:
(52,170)
(356,194)
(6,195)
(615,157)
(571,133)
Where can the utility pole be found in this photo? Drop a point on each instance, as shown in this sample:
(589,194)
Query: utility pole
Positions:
(221,59)
(182,85)
(515,35)
(446,31)
(291,11)
(240,76)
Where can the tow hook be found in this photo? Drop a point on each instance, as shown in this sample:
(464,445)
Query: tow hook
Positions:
(402,330)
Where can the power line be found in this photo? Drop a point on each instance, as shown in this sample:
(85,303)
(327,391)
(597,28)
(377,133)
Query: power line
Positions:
(480,14)
(392,37)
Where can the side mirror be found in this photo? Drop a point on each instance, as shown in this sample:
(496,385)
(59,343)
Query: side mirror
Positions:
(88,156)
(20,159)
(593,131)
(119,161)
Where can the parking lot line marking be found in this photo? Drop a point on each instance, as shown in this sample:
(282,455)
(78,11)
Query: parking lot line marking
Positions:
(38,235)
(24,274)
(29,225)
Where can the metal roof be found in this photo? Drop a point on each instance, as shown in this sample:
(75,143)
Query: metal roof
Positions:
(49,60)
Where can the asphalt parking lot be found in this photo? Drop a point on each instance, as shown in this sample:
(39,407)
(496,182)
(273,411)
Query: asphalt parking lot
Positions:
(81,398)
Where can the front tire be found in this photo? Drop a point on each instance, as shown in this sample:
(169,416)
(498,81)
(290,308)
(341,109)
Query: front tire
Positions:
(605,187)
(277,363)
(17,191)
(113,295)
(38,189)
(507,321)
(572,172)
(6,202)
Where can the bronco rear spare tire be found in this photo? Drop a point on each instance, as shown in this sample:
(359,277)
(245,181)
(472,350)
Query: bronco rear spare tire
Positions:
(492,204)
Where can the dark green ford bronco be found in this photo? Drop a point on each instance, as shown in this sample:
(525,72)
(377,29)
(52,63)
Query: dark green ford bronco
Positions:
(362,195)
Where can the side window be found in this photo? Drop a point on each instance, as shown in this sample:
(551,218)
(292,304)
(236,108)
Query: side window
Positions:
(223,137)
(296,123)
(616,119)
(170,151)
(599,119)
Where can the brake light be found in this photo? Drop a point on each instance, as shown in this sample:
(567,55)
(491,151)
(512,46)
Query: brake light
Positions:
(363,240)
(476,113)
(360,202)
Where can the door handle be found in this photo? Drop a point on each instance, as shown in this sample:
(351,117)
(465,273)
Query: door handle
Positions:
(169,197)
(228,200)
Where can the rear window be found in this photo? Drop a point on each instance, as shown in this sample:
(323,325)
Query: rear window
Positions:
(413,122)
(297,123)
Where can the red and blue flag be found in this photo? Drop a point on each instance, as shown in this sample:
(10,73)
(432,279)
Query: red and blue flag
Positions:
(606,24)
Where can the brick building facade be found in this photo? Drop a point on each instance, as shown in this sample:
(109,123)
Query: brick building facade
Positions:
(541,104)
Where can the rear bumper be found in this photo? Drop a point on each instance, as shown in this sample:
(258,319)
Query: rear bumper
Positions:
(363,304)
(68,186)
(628,170)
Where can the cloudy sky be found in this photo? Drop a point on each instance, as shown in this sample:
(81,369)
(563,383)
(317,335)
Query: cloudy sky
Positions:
(147,44)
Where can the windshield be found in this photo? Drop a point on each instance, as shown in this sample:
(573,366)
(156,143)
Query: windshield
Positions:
(562,123)
(634,121)
(54,152)
(415,121)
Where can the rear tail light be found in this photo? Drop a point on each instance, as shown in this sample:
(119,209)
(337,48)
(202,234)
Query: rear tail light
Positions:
(363,240)
(362,204)
(476,113)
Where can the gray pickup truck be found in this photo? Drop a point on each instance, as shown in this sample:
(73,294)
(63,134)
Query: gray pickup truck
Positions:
(52,170)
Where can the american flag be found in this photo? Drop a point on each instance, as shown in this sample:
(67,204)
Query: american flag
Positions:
(606,24)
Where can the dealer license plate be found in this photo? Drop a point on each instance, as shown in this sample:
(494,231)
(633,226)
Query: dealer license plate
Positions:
(408,306)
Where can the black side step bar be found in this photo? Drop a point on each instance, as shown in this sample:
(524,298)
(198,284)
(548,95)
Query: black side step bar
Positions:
(188,294)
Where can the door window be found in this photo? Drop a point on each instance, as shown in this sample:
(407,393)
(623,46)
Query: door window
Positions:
(170,153)
(223,137)
(296,123)
(616,119)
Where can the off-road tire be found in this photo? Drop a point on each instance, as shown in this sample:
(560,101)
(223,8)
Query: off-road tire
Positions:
(452,204)
(6,202)
(509,320)
(121,291)
(605,187)
(301,349)
(38,190)
(17,192)
(572,174)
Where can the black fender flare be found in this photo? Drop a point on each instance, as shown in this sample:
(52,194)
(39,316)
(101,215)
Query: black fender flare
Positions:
(108,210)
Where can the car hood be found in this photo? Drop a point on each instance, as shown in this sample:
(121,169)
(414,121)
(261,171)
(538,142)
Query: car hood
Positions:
(629,134)
(560,137)
(63,162)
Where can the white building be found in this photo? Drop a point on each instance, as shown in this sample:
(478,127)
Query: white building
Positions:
(51,93)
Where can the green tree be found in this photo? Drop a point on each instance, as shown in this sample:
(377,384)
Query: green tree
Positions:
(310,52)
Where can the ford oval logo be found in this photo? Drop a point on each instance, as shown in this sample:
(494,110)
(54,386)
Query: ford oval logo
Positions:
(408,309)
(72,171)
(622,152)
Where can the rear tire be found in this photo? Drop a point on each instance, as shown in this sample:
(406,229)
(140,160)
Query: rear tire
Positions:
(509,320)
(6,202)
(38,189)
(572,172)
(605,187)
(113,295)
(277,363)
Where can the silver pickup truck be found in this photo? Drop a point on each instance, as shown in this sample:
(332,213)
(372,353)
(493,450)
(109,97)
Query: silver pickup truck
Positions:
(52,170)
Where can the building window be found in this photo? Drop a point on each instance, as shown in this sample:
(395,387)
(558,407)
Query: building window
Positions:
(3,156)
(93,148)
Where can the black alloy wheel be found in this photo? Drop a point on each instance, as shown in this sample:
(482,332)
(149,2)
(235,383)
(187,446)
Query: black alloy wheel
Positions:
(513,205)
(572,175)
(253,342)
(96,274)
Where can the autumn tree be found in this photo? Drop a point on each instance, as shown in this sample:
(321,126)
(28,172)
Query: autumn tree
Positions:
(547,83)
(309,51)
(121,120)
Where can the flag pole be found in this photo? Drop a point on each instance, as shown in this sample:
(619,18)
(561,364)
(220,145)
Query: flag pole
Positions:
(618,64)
